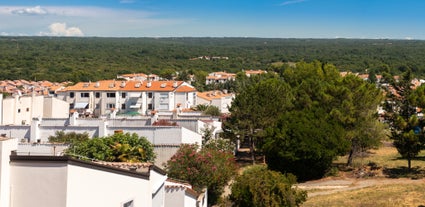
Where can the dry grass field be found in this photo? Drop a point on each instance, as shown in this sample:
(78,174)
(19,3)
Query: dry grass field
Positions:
(390,184)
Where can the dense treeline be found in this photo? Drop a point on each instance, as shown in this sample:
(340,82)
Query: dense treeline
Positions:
(92,58)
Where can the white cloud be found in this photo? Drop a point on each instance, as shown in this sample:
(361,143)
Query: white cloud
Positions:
(88,21)
(29,11)
(60,29)
(292,2)
(408,38)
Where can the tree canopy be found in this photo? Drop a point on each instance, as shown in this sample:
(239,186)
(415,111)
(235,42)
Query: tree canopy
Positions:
(401,114)
(95,58)
(118,147)
(68,138)
(306,117)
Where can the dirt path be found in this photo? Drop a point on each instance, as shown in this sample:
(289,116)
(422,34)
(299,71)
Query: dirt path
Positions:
(333,185)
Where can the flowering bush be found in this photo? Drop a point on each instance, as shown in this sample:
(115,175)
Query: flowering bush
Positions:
(208,167)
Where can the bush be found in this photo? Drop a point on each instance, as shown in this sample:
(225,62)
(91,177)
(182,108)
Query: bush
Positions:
(116,148)
(68,138)
(260,187)
(209,168)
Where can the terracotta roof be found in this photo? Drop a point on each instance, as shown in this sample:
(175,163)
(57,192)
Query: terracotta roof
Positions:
(137,166)
(221,75)
(185,88)
(104,85)
(176,184)
(55,87)
(46,83)
(113,85)
(210,95)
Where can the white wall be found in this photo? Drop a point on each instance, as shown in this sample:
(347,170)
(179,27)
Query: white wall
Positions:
(55,108)
(91,187)
(175,197)
(190,137)
(1,108)
(44,185)
(6,146)
(18,132)
(20,110)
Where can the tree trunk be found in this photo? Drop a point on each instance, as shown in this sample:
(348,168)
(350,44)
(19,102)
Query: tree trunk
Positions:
(350,158)
(353,150)
(251,147)
(409,163)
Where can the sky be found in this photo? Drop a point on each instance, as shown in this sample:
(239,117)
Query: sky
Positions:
(369,19)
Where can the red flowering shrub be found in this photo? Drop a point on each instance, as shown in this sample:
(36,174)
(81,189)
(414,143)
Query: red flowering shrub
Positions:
(205,168)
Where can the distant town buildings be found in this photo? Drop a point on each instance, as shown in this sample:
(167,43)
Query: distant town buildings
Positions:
(219,77)
(139,77)
(22,87)
(134,97)
(223,77)
(210,58)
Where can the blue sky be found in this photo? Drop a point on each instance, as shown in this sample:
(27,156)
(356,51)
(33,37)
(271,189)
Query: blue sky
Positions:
(393,19)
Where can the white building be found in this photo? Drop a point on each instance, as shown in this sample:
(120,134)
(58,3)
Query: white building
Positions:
(166,139)
(52,181)
(110,96)
(20,110)
(219,77)
(181,194)
(221,100)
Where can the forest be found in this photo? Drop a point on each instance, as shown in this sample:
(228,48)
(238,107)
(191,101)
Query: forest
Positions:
(94,58)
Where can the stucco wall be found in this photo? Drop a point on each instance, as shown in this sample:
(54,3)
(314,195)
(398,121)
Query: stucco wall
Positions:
(175,197)
(19,132)
(44,185)
(91,187)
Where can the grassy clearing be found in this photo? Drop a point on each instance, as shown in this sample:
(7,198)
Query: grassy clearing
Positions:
(387,157)
(389,194)
(381,195)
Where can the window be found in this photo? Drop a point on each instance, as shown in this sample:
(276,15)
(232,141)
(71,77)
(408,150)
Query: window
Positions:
(110,106)
(163,106)
(150,106)
(163,97)
(128,204)
(28,109)
(97,94)
(123,95)
(110,95)
(71,94)
(84,95)
(122,106)
(19,110)
(97,106)
(150,95)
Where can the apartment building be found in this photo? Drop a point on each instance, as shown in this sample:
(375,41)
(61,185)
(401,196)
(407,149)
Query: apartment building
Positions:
(21,109)
(142,97)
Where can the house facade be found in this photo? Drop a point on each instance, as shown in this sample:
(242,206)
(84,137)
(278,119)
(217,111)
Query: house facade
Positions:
(111,96)
(220,99)
(219,77)
(21,109)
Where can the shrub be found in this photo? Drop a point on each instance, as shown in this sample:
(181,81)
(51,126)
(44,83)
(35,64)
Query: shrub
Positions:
(260,187)
(209,168)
